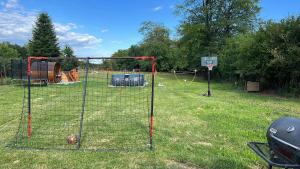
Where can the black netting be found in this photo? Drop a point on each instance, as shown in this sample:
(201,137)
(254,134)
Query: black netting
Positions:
(96,105)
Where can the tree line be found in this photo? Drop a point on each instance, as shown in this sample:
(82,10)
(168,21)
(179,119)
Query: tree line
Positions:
(248,48)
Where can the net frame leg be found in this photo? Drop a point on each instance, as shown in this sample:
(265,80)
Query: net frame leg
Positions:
(29,125)
(152,104)
(83,103)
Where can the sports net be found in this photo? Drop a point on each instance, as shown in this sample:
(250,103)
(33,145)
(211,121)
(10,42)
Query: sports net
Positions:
(101,104)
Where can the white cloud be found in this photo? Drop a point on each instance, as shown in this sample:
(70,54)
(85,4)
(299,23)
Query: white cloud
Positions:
(62,28)
(104,30)
(16,26)
(10,4)
(79,40)
(66,35)
(158,8)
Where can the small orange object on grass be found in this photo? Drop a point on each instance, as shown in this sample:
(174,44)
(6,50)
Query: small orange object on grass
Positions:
(72,139)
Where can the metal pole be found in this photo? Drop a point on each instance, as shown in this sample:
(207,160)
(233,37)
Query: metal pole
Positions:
(152,105)
(29,123)
(83,103)
(208,79)
(106,77)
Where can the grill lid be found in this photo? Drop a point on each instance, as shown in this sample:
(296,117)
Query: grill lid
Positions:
(285,130)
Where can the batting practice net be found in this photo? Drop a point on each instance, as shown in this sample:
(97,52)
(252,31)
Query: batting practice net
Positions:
(86,103)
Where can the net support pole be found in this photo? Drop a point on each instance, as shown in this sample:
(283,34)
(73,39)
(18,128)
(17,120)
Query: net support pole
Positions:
(152,104)
(208,81)
(106,77)
(83,103)
(29,122)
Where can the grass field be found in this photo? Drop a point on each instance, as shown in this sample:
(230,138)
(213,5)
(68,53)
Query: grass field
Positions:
(191,131)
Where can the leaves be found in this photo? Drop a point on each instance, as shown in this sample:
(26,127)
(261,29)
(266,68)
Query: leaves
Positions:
(68,52)
(208,23)
(44,41)
(271,55)
(70,61)
(6,53)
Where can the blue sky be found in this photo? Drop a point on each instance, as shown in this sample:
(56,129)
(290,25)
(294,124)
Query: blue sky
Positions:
(100,27)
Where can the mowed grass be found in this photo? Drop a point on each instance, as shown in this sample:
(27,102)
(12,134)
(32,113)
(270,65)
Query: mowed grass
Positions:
(191,131)
(113,117)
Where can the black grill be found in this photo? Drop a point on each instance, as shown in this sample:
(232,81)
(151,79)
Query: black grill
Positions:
(283,147)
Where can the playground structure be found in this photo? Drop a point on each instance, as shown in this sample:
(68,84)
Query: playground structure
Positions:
(70,76)
(88,115)
(44,70)
(52,73)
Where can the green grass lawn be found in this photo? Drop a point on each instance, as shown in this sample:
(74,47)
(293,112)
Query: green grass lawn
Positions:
(191,131)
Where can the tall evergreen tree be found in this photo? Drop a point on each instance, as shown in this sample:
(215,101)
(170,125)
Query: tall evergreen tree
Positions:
(44,41)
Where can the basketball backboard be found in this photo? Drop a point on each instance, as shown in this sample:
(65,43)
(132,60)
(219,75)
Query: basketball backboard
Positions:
(209,61)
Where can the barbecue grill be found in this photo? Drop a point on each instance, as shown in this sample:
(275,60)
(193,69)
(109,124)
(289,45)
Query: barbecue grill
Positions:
(283,147)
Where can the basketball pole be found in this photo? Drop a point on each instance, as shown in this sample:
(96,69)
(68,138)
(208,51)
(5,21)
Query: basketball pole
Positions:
(208,81)
(209,62)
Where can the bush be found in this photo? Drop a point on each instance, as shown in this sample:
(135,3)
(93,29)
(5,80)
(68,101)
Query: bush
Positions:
(271,56)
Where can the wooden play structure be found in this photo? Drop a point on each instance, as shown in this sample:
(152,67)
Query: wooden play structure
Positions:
(51,72)
(70,76)
(46,71)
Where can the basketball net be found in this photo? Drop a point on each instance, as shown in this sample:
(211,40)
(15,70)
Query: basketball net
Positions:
(210,66)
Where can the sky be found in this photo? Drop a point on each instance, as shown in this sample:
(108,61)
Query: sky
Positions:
(101,27)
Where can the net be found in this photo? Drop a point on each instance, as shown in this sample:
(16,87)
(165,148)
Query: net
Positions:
(97,105)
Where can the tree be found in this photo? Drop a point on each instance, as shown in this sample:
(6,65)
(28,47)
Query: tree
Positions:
(157,42)
(281,44)
(44,41)
(192,44)
(208,23)
(68,52)
(121,64)
(270,55)
(70,61)
(22,50)
(6,53)
(154,32)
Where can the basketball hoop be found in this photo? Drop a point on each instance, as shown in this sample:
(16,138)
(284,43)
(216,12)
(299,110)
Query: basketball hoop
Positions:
(210,66)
